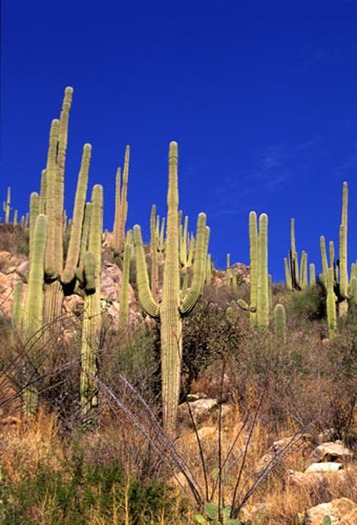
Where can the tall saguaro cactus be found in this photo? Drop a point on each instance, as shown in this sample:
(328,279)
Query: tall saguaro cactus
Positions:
(33,313)
(260,302)
(343,285)
(172,307)
(263,302)
(92,311)
(60,275)
(121,205)
(7,206)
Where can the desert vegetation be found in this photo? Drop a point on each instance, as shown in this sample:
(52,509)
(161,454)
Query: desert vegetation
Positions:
(142,385)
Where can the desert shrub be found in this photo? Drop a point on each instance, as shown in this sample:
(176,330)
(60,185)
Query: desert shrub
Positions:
(79,493)
(308,304)
(208,335)
(14,239)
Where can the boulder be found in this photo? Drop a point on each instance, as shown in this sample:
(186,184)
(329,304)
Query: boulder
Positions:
(332,451)
(337,510)
(324,467)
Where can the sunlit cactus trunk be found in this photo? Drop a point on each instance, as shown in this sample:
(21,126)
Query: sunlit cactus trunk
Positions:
(33,314)
(343,264)
(253,251)
(170,317)
(7,206)
(172,308)
(121,205)
(92,310)
(263,280)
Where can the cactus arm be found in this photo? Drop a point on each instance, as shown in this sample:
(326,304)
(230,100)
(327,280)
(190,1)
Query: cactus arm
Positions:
(312,272)
(34,212)
(153,252)
(43,190)
(68,273)
(146,298)
(124,201)
(303,270)
(294,257)
(288,281)
(51,265)
(60,169)
(324,262)
(201,247)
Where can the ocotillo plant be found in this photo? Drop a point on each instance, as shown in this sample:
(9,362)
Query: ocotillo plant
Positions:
(172,308)
(121,205)
(92,311)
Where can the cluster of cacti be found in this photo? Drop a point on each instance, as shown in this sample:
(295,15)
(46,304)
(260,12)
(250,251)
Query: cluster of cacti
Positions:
(296,275)
(260,294)
(183,257)
(172,307)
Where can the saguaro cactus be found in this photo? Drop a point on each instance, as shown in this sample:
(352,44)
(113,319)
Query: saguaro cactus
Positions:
(121,205)
(7,206)
(331,305)
(343,282)
(33,313)
(280,324)
(260,301)
(92,311)
(263,279)
(172,308)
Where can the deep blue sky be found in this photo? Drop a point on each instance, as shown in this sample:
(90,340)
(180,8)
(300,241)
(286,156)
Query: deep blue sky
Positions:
(260,95)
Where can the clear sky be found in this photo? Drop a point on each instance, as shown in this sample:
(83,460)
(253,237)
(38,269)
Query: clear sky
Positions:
(261,97)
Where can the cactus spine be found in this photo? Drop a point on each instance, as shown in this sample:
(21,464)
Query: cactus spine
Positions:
(92,311)
(172,307)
